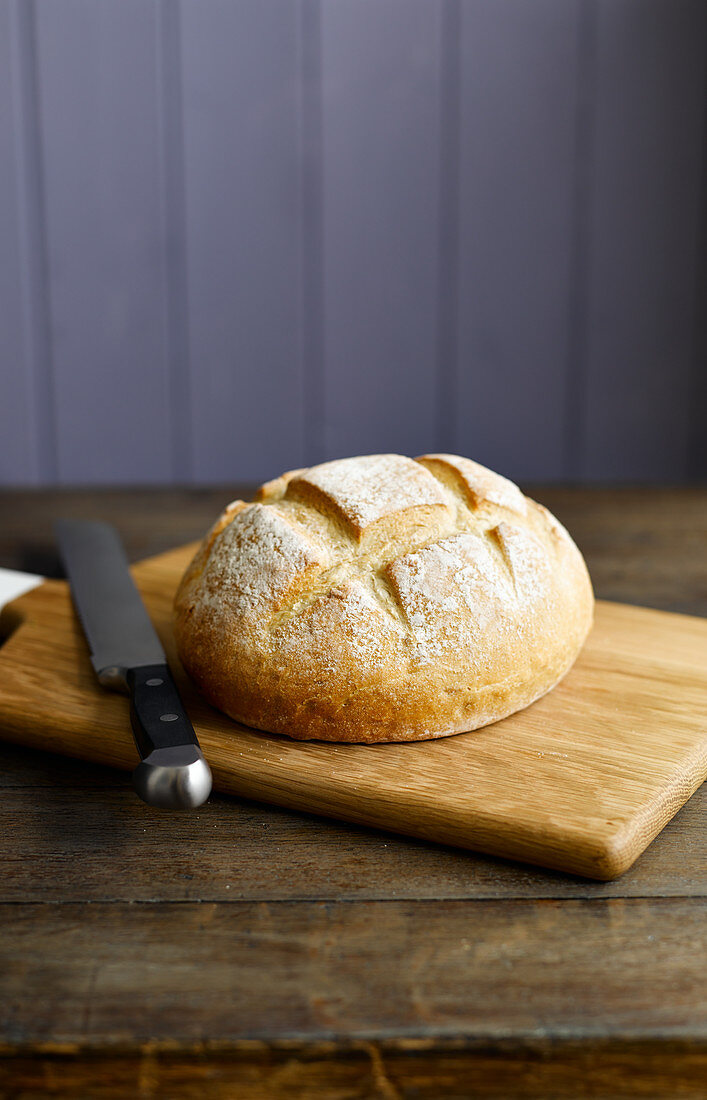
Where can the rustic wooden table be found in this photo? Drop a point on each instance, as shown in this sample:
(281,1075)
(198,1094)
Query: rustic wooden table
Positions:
(242,951)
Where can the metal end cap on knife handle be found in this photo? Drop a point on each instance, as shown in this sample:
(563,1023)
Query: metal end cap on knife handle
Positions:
(174,778)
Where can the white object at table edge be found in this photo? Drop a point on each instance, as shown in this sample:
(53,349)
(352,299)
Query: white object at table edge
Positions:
(13,583)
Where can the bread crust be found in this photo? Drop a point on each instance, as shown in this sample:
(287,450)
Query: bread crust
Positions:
(382,598)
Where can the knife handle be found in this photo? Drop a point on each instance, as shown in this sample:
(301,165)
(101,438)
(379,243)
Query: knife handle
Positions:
(173,773)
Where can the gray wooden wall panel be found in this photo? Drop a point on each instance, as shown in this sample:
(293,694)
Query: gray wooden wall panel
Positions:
(242,235)
(517,146)
(380,95)
(243,207)
(18,450)
(645,214)
(105,239)
(170,112)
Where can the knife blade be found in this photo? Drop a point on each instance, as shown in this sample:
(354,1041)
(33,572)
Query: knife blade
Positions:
(127,656)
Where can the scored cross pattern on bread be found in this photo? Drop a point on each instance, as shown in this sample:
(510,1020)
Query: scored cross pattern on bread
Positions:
(382,598)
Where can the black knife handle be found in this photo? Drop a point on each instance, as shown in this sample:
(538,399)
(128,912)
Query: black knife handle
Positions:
(157,713)
(172,773)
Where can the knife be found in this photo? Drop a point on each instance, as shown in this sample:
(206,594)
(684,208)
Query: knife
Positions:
(128,657)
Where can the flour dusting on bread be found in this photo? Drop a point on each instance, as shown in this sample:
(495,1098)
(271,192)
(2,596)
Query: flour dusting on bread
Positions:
(382,598)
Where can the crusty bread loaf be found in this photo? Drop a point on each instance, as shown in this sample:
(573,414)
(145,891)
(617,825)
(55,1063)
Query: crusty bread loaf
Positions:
(382,599)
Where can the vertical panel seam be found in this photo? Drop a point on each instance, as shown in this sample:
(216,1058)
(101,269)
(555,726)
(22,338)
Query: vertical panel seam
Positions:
(312,304)
(173,204)
(696,450)
(448,225)
(579,280)
(32,232)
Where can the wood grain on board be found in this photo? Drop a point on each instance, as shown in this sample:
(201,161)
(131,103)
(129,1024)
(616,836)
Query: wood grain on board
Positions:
(581,781)
(81,858)
(96,842)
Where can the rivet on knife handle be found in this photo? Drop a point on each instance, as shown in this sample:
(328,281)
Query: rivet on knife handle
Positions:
(127,655)
(173,772)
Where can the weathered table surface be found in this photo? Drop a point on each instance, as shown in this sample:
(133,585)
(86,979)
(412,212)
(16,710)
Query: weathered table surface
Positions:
(246,951)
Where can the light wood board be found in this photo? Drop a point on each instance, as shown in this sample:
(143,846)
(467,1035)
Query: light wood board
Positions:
(581,781)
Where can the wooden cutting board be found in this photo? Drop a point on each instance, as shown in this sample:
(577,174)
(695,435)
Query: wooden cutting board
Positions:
(581,781)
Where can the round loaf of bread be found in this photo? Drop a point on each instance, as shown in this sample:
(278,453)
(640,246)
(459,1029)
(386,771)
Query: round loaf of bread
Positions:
(382,599)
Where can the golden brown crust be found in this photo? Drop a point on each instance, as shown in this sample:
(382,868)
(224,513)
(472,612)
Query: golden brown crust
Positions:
(382,599)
